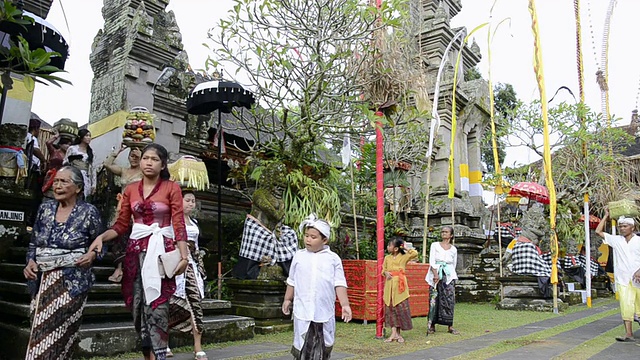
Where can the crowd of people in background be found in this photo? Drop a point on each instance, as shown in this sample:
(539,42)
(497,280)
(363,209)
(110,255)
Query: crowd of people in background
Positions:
(153,219)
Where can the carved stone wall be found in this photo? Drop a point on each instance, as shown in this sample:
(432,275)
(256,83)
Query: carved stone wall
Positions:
(138,60)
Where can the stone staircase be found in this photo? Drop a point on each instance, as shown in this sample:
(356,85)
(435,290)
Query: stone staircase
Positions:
(480,283)
(107,327)
(574,293)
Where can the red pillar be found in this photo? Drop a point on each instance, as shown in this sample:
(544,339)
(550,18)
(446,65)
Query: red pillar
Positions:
(380,223)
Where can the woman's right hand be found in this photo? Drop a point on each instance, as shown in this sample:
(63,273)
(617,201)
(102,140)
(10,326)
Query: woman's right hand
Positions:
(31,270)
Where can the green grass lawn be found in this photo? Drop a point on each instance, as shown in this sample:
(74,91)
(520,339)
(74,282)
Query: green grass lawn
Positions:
(472,320)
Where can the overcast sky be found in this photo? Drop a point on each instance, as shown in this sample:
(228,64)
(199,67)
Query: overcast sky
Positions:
(511,50)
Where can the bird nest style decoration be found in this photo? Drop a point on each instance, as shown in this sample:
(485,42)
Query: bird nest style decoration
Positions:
(138,129)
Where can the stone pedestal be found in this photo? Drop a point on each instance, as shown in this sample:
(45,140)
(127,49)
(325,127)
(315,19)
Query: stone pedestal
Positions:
(520,292)
(480,283)
(261,300)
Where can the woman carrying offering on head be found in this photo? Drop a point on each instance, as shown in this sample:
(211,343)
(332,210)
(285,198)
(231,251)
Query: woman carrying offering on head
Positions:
(156,205)
(80,155)
(186,302)
(56,158)
(59,266)
(396,289)
(127,176)
(442,275)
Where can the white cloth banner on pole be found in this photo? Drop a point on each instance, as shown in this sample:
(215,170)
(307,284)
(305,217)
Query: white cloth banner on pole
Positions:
(435,117)
(346,150)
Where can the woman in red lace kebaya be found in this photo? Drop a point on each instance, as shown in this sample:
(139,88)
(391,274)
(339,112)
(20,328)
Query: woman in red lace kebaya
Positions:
(156,205)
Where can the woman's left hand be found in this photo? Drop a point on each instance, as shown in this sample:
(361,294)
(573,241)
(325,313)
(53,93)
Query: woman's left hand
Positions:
(86,260)
(182,266)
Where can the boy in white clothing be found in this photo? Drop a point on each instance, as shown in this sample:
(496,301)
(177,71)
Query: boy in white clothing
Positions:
(315,278)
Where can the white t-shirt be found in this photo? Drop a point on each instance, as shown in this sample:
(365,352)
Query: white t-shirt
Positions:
(34,159)
(626,257)
(314,277)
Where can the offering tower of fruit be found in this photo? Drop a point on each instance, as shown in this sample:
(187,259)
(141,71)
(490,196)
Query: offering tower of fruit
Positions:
(138,129)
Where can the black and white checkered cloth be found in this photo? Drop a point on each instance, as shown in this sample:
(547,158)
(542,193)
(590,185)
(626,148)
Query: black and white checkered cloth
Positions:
(527,261)
(258,241)
(581,261)
(507,232)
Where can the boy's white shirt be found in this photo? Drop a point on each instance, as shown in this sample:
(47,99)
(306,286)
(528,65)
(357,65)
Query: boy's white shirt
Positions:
(626,257)
(314,277)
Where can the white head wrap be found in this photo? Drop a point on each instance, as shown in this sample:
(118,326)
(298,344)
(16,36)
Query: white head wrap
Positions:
(319,224)
(626,220)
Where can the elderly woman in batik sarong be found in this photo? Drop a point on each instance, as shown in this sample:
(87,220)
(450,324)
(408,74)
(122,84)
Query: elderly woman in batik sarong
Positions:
(396,288)
(442,278)
(59,266)
(186,303)
(156,205)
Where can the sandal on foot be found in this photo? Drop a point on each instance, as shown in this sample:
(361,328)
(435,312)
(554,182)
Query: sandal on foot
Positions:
(169,353)
(400,339)
(625,338)
(431,331)
(116,279)
(201,355)
(453,331)
(390,339)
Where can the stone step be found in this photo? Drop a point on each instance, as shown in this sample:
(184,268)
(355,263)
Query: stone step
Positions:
(13,271)
(112,338)
(108,309)
(19,290)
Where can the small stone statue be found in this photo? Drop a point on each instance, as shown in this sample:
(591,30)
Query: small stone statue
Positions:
(268,271)
(268,206)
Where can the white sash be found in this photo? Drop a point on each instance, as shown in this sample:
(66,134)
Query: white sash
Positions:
(151,280)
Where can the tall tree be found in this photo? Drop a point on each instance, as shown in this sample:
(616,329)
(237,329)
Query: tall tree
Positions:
(303,60)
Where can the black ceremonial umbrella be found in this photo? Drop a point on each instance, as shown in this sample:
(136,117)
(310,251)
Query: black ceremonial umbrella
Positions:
(39,35)
(206,98)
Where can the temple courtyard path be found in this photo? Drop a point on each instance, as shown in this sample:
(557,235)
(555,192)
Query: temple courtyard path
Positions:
(587,334)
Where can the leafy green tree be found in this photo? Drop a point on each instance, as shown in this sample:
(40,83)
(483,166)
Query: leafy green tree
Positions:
(304,60)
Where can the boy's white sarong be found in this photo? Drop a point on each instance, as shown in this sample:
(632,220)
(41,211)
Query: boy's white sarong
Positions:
(300,328)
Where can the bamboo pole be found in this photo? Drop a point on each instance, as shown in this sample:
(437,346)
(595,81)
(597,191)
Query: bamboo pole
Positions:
(353,206)
(425,232)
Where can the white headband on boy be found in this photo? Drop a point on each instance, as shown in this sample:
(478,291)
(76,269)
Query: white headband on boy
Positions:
(319,224)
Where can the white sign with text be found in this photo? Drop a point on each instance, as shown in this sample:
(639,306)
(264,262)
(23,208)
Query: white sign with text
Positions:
(11,215)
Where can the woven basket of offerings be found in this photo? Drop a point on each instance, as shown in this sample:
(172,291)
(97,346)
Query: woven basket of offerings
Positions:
(66,128)
(138,129)
(189,172)
(624,207)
